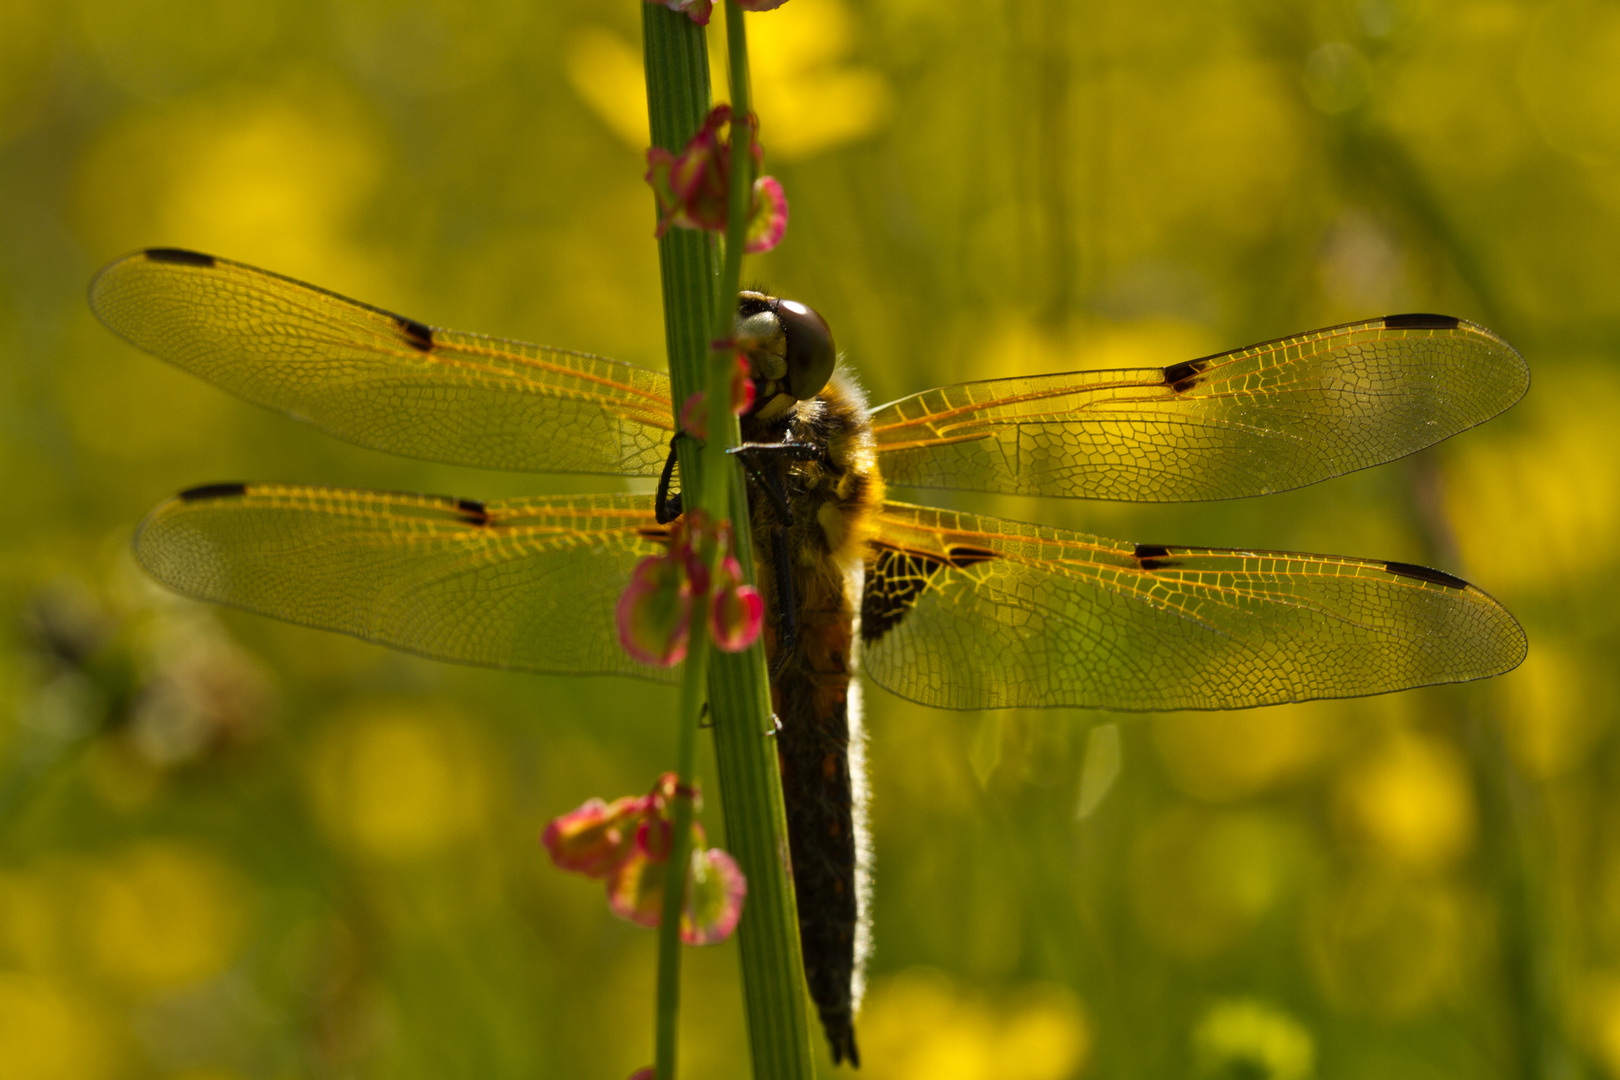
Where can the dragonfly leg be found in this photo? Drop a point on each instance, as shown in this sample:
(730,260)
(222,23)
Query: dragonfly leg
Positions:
(787,635)
(667,507)
(754,456)
(771,483)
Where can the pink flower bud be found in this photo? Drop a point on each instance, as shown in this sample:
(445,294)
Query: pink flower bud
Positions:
(736,610)
(636,889)
(768,221)
(715,890)
(655,610)
(692,187)
(598,837)
(627,843)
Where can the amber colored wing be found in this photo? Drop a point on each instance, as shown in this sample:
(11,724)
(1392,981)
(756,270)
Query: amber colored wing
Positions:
(382,380)
(1267,418)
(969,612)
(517,583)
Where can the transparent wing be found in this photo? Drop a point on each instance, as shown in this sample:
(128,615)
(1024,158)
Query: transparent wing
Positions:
(971,612)
(518,583)
(382,380)
(1267,418)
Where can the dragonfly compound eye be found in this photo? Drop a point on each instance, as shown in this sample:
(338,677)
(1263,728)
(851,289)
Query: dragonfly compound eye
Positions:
(810,352)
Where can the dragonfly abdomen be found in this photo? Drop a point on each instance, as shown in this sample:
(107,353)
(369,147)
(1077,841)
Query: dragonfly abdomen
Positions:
(833,501)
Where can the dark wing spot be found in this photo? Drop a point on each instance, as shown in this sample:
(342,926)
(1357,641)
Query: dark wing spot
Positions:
(1184,376)
(659,536)
(179,255)
(1420,322)
(420,335)
(1152,556)
(963,556)
(472,511)
(1423,573)
(895,581)
(213,491)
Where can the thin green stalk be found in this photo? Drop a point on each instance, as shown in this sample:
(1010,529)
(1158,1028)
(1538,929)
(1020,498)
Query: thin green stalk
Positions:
(741,195)
(680,847)
(698,309)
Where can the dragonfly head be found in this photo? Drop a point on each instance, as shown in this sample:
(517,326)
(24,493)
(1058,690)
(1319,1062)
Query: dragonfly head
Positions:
(789,349)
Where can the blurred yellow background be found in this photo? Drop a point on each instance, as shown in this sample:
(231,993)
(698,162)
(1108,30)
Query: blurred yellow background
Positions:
(236,850)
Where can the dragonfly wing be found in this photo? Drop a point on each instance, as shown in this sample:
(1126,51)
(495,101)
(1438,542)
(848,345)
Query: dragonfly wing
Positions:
(970,612)
(1267,418)
(382,380)
(519,583)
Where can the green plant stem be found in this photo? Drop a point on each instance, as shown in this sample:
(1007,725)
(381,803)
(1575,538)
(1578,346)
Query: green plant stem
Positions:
(741,195)
(750,789)
(680,849)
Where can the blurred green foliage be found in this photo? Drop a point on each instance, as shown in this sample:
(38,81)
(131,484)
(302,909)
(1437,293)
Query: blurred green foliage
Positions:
(235,849)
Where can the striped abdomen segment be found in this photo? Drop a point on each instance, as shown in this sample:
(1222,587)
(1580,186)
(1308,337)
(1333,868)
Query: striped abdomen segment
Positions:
(812,702)
(814,745)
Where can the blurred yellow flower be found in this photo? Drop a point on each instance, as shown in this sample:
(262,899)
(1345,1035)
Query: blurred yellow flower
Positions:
(1244,1038)
(1247,152)
(273,178)
(919,1025)
(161,916)
(605,71)
(807,97)
(400,782)
(1411,801)
(1598,1013)
(46,1033)
(31,936)
(1524,518)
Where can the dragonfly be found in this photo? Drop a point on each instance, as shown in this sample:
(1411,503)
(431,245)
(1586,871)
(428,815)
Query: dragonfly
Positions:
(943,607)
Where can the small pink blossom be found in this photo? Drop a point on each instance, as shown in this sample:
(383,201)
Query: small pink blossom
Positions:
(626,844)
(692,188)
(636,889)
(736,610)
(768,222)
(598,837)
(715,890)
(759,5)
(654,612)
